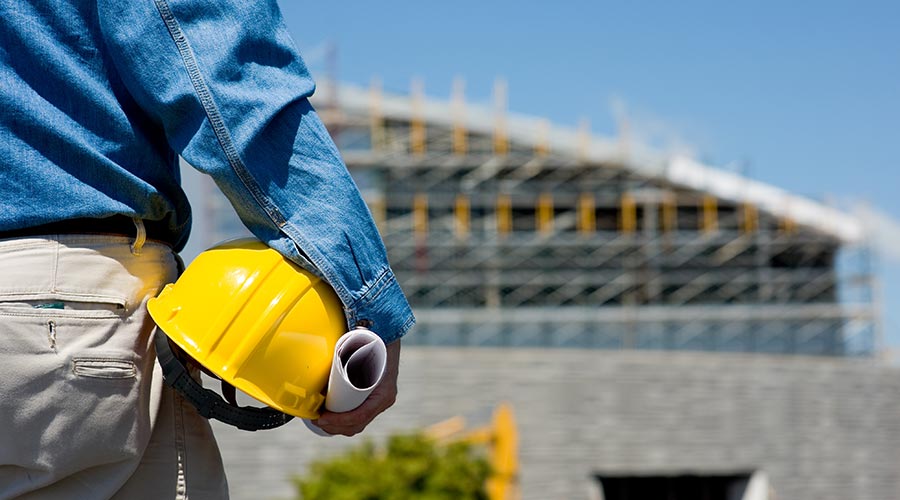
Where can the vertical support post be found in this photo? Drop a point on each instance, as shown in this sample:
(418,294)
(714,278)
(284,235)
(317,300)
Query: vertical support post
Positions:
(584,140)
(710,214)
(623,126)
(750,219)
(628,214)
(504,214)
(462,211)
(587,214)
(420,230)
(545,213)
(417,126)
(650,287)
(376,121)
(420,214)
(458,105)
(501,141)
(787,225)
(670,213)
(542,144)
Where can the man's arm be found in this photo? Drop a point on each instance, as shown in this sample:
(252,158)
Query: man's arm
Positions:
(225,82)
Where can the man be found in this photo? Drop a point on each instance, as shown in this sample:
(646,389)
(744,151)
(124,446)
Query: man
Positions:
(97,99)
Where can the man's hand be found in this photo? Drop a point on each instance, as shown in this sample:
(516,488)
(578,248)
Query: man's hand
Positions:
(353,422)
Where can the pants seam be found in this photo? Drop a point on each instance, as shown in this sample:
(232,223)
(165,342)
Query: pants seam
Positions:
(180,448)
(55,269)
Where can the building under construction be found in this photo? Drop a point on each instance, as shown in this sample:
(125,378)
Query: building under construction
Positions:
(507,231)
(511,236)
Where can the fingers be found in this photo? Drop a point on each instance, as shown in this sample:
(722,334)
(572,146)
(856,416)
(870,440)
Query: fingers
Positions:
(383,397)
(353,422)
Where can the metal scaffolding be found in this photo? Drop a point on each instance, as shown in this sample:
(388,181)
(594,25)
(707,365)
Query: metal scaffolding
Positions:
(504,234)
(516,243)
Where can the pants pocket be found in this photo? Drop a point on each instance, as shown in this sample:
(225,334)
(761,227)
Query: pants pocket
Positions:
(48,305)
(109,368)
(75,385)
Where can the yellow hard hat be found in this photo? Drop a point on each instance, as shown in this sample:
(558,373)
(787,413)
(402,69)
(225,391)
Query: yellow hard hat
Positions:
(257,321)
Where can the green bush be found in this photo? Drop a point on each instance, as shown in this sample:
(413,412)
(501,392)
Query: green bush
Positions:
(412,467)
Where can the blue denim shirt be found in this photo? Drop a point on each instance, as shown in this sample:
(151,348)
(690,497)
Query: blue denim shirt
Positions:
(97,99)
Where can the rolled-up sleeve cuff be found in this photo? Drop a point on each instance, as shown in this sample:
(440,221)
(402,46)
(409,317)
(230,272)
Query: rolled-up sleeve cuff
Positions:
(383,309)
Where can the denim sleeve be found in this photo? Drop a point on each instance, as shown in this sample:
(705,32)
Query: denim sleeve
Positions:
(225,82)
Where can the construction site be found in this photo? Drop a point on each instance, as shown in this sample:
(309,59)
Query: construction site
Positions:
(662,328)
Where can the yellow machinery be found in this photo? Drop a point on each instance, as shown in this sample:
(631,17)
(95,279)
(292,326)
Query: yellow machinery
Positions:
(503,443)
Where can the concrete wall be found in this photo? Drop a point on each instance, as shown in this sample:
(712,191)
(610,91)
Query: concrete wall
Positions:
(820,428)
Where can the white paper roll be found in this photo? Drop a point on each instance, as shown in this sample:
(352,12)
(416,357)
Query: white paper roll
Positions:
(360,359)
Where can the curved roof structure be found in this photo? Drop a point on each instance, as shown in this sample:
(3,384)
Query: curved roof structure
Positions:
(641,159)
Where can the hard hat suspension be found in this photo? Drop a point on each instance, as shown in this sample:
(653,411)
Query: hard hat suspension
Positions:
(208,403)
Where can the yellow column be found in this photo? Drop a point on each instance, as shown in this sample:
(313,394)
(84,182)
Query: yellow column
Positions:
(710,214)
(587,214)
(503,483)
(420,214)
(463,215)
(750,218)
(504,214)
(628,218)
(545,213)
(788,225)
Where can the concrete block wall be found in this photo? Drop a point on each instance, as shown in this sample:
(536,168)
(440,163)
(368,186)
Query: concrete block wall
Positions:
(821,428)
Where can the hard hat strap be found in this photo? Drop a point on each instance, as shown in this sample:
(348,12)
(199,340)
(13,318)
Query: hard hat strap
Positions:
(228,392)
(208,403)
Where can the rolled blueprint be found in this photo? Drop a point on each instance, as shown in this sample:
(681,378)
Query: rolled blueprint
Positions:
(360,359)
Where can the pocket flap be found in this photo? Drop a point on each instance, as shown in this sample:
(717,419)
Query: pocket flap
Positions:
(104,368)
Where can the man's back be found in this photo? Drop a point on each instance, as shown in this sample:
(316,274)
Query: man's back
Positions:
(73,141)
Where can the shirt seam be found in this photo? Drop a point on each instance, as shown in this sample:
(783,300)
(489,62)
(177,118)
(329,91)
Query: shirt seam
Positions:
(386,279)
(212,111)
(370,293)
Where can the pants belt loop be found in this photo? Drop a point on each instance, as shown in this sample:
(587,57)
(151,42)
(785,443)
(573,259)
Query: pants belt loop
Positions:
(140,238)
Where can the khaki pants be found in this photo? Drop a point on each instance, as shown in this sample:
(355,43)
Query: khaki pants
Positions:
(84,413)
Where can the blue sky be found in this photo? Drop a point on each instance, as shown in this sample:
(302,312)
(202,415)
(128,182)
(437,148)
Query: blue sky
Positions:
(802,95)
